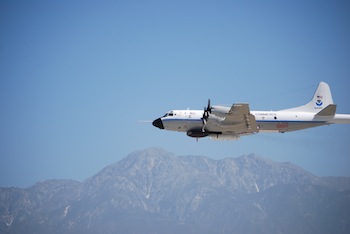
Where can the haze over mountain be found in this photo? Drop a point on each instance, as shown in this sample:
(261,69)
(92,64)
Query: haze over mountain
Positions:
(154,191)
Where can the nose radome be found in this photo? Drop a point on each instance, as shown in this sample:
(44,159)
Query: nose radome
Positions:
(158,123)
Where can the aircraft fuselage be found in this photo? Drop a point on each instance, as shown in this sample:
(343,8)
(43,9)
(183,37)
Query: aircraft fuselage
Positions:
(270,121)
(220,122)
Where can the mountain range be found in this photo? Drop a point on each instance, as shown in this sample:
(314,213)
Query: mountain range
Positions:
(154,191)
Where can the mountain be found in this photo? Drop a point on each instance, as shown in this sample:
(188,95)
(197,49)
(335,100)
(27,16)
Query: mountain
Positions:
(154,191)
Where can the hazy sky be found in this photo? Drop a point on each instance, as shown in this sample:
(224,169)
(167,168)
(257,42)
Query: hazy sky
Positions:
(76,76)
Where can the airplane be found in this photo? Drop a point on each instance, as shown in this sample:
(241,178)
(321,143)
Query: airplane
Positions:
(229,123)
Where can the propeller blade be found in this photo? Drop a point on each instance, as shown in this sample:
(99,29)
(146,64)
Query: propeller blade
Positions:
(205,114)
(204,123)
(205,117)
(209,107)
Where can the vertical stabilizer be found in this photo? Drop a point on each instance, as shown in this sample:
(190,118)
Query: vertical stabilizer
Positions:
(321,99)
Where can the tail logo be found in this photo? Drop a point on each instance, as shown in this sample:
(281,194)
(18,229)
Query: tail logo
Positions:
(319,100)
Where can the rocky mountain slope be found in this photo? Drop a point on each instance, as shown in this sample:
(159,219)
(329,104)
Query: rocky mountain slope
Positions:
(154,191)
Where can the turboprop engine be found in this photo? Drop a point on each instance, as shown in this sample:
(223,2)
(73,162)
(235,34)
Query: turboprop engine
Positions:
(197,133)
(220,111)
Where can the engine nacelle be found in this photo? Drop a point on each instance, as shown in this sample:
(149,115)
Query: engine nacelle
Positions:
(197,133)
(220,110)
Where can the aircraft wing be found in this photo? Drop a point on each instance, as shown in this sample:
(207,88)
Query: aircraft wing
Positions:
(240,118)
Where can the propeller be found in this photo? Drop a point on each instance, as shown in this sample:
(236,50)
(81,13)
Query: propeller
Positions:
(209,107)
(207,111)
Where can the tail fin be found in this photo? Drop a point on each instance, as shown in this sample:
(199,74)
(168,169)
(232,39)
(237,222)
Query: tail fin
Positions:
(321,99)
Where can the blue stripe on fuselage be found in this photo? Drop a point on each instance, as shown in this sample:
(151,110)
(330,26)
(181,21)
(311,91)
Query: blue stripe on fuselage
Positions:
(289,121)
(178,119)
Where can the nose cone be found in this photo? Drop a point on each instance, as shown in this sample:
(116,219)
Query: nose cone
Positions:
(158,123)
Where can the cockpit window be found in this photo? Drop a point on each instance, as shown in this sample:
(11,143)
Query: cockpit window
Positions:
(169,114)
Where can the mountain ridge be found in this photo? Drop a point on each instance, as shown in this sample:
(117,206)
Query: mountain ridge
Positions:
(155,191)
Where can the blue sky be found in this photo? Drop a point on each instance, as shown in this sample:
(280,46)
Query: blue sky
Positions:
(76,76)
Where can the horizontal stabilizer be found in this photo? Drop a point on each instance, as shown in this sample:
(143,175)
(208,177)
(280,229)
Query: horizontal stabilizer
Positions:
(328,110)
